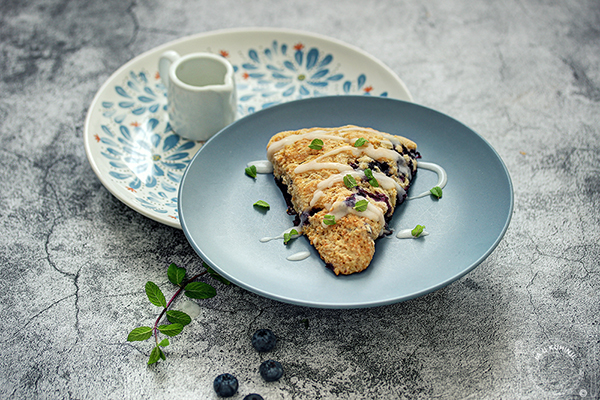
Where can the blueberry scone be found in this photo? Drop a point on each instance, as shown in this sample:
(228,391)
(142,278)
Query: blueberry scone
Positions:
(343,184)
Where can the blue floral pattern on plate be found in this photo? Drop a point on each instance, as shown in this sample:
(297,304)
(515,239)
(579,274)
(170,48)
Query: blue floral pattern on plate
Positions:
(146,159)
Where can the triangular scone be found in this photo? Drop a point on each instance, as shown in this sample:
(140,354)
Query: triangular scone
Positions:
(312,178)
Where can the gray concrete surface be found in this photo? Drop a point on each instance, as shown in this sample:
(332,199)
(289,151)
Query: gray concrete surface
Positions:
(523,325)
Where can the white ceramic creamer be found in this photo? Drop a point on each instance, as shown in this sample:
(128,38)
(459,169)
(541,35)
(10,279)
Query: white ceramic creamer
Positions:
(201,93)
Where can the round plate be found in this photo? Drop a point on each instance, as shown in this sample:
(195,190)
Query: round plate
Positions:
(465,225)
(130,144)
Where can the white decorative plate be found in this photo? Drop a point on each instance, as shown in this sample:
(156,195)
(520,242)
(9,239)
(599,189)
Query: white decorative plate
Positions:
(140,160)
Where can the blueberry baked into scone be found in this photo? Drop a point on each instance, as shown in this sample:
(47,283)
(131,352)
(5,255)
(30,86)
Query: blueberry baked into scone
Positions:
(343,184)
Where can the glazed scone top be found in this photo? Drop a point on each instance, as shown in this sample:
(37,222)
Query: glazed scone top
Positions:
(338,157)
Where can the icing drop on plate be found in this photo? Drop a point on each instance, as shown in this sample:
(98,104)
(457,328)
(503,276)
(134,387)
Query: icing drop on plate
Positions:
(268,238)
(407,234)
(262,166)
(301,255)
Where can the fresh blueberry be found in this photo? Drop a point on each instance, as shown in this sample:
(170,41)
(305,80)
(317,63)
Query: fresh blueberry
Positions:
(253,396)
(226,385)
(264,340)
(271,370)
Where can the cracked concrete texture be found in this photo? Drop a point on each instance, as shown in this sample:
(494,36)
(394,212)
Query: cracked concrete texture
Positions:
(524,324)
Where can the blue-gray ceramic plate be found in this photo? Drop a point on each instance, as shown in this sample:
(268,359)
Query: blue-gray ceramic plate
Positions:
(217,215)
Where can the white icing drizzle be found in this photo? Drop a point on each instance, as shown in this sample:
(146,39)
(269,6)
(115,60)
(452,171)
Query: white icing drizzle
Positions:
(301,255)
(442,177)
(407,234)
(262,166)
(312,165)
(280,144)
(329,182)
(340,209)
(297,228)
(385,182)
(369,150)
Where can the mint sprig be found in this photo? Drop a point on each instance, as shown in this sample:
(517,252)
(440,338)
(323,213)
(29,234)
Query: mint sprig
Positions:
(251,171)
(436,192)
(372,181)
(329,219)
(178,319)
(361,205)
(316,144)
(262,204)
(349,181)
(417,231)
(360,142)
(288,236)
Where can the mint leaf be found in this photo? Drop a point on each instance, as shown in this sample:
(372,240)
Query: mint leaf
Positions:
(361,205)
(178,317)
(155,355)
(262,204)
(199,290)
(436,191)
(417,231)
(316,144)
(251,171)
(161,354)
(349,181)
(155,296)
(171,329)
(329,219)
(288,236)
(360,142)
(175,274)
(372,181)
(215,275)
(139,334)
(164,342)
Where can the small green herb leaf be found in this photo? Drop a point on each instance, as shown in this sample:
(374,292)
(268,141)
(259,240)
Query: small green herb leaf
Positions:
(215,275)
(361,205)
(288,236)
(175,274)
(178,317)
(155,296)
(139,334)
(349,181)
(437,192)
(316,144)
(329,219)
(372,181)
(164,342)
(155,355)
(360,142)
(170,329)
(199,290)
(417,231)
(262,204)
(251,171)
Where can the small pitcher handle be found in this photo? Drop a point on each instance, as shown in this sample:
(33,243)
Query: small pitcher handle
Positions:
(166,59)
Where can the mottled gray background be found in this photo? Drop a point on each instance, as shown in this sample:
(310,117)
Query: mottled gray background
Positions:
(74,260)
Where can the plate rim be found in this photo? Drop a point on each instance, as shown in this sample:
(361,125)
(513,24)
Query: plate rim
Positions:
(348,305)
(90,112)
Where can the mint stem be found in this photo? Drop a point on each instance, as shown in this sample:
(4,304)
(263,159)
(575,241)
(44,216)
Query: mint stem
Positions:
(182,286)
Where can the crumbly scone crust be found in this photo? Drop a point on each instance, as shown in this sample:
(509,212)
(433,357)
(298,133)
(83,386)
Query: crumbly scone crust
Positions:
(348,246)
